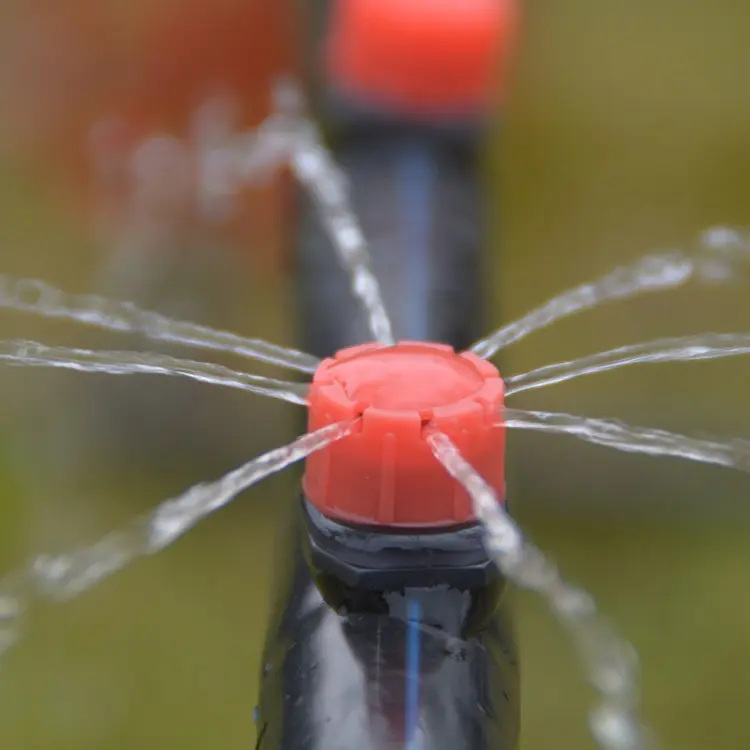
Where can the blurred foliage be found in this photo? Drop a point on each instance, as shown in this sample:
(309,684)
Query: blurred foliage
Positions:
(625,132)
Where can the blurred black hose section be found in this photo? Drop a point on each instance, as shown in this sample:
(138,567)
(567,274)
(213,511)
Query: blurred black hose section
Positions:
(418,194)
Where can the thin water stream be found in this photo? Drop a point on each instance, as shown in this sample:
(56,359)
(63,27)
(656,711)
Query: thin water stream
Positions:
(34,354)
(719,257)
(702,346)
(733,454)
(64,576)
(610,662)
(40,298)
(315,169)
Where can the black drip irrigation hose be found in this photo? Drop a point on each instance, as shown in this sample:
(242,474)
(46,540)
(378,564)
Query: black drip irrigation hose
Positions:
(376,639)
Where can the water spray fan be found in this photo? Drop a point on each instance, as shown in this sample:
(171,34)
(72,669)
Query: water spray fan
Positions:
(393,624)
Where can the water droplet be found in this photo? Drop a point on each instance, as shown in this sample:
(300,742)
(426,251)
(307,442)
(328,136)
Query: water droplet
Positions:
(615,729)
(721,238)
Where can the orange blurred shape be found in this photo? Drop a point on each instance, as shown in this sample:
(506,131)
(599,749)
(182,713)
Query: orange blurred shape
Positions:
(79,62)
(61,69)
(434,56)
(193,49)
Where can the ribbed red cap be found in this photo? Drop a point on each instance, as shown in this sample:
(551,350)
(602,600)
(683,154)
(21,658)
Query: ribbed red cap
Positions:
(386,474)
(422,55)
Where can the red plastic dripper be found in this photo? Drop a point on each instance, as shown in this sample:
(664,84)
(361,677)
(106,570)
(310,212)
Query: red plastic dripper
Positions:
(422,55)
(386,474)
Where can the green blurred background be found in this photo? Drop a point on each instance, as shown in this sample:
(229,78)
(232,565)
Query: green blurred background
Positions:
(626,132)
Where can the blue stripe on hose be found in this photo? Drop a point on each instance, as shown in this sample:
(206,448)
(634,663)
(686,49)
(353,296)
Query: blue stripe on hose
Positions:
(416,178)
(412,675)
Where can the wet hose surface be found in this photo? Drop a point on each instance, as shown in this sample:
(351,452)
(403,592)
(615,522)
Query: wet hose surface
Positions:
(366,669)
